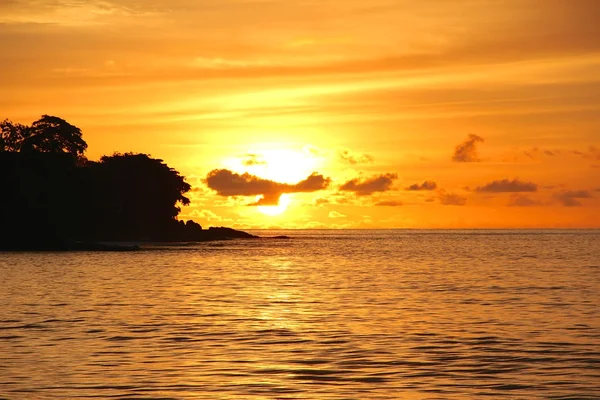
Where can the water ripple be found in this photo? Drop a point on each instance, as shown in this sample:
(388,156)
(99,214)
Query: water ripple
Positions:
(327,315)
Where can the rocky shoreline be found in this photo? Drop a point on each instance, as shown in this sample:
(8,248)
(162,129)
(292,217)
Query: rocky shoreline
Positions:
(204,235)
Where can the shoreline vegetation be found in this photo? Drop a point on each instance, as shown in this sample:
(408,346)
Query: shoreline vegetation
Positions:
(53,198)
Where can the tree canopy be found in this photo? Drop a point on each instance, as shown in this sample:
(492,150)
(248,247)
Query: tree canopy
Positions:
(46,135)
(134,193)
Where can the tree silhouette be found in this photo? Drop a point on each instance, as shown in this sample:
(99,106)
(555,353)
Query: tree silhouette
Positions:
(47,135)
(51,200)
(13,135)
(134,194)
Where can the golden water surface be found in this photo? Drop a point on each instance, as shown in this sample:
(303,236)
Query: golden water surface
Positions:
(324,315)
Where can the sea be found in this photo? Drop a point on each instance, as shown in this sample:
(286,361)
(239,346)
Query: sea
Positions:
(325,314)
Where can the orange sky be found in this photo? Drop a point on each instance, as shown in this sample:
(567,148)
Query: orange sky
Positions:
(494,103)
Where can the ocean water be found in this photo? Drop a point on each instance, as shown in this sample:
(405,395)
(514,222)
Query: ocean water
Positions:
(390,314)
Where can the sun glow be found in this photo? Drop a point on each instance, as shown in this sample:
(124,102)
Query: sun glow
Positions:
(284,202)
(277,164)
(281,168)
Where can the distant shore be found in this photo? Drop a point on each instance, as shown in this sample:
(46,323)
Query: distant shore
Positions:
(205,235)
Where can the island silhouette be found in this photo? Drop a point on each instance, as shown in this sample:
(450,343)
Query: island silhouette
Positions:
(53,198)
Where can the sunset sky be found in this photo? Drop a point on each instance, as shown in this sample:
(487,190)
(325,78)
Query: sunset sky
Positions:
(329,114)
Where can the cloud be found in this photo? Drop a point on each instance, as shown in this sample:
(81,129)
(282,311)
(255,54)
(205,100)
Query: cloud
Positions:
(321,201)
(313,183)
(355,158)
(570,198)
(269,199)
(342,198)
(314,225)
(204,214)
(381,183)
(593,153)
(532,153)
(427,185)
(314,151)
(535,153)
(335,214)
(452,199)
(389,203)
(228,183)
(253,159)
(467,150)
(522,201)
(507,186)
(71,13)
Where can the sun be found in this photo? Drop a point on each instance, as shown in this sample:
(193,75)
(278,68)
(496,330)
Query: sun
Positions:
(283,165)
(284,202)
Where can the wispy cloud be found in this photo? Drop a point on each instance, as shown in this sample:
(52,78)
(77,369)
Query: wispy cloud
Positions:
(570,198)
(389,203)
(355,158)
(452,199)
(467,150)
(335,214)
(73,13)
(253,159)
(523,201)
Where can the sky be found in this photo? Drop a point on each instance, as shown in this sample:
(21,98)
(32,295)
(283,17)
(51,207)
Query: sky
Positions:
(329,114)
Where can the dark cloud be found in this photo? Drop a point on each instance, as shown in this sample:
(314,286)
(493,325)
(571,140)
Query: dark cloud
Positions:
(507,186)
(321,201)
(253,159)
(381,183)
(389,203)
(452,199)
(313,183)
(228,183)
(467,150)
(354,159)
(570,198)
(427,185)
(522,201)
